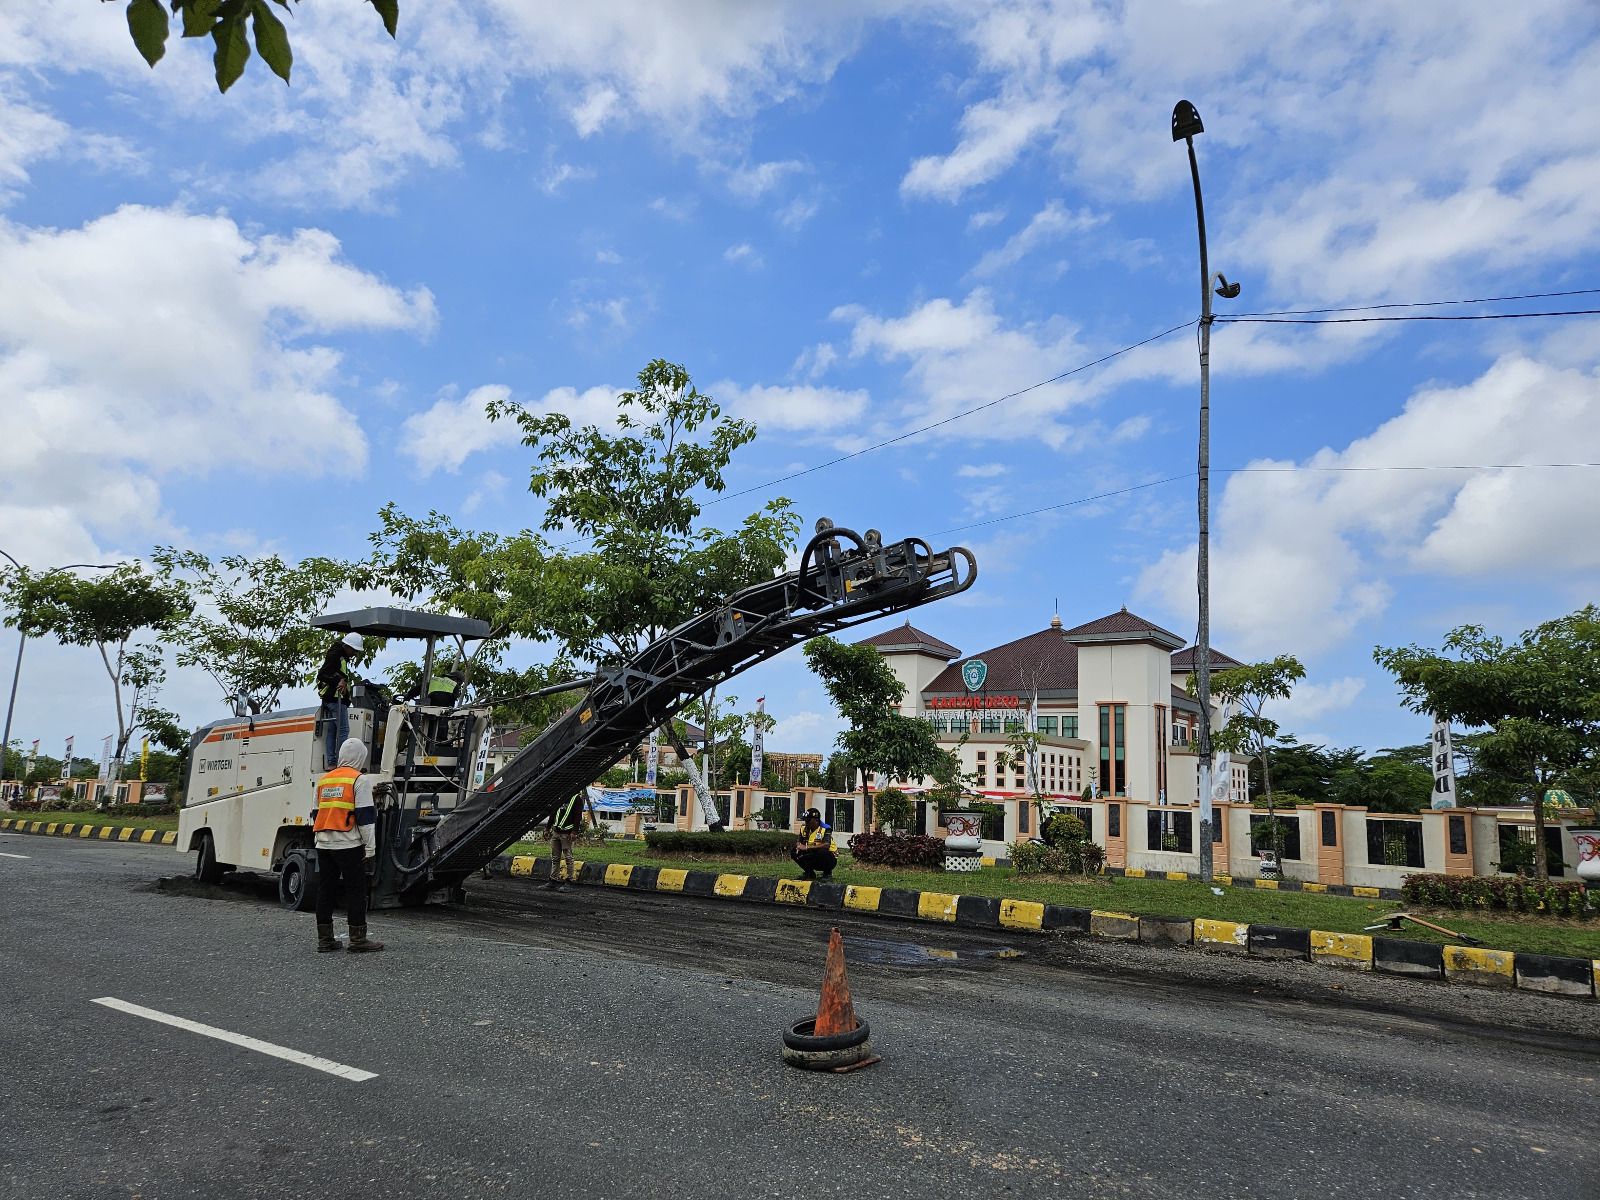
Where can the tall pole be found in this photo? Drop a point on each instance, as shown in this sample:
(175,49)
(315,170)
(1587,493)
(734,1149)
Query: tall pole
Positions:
(11,704)
(1202,648)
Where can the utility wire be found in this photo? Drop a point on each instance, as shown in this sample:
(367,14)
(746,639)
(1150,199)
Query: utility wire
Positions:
(1139,487)
(988,404)
(1311,312)
(1574,312)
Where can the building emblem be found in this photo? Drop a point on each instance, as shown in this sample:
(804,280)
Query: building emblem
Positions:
(973,672)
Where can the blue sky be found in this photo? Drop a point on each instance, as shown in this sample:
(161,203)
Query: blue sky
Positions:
(245,322)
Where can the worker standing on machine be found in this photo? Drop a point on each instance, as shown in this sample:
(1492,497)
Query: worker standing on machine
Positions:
(344,827)
(334,683)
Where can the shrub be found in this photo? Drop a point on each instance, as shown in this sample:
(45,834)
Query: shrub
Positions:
(1077,858)
(165,809)
(1499,893)
(1064,829)
(898,850)
(892,809)
(754,843)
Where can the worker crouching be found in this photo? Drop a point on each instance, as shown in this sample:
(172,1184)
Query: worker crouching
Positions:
(344,828)
(814,851)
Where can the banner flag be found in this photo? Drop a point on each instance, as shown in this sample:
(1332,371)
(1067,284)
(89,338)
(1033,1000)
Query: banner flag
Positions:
(66,760)
(144,761)
(1444,766)
(755,743)
(105,758)
(1033,747)
(33,753)
(652,761)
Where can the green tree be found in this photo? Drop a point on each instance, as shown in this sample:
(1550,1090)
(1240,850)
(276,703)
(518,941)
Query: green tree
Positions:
(1250,731)
(893,809)
(634,499)
(878,739)
(231,25)
(1537,699)
(250,626)
(105,611)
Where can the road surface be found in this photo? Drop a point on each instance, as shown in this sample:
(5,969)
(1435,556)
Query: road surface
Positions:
(596,1043)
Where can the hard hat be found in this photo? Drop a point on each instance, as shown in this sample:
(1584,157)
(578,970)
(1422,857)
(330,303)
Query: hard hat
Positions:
(353,640)
(811,812)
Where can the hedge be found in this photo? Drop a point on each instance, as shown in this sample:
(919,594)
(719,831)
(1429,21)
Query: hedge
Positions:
(754,843)
(1507,893)
(898,850)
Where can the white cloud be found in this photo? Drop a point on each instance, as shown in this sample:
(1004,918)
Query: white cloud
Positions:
(802,408)
(1051,222)
(797,212)
(1303,558)
(454,428)
(154,342)
(598,105)
(985,218)
(491,485)
(799,732)
(1315,700)
(608,258)
(751,181)
(982,470)
(744,253)
(561,175)
(815,360)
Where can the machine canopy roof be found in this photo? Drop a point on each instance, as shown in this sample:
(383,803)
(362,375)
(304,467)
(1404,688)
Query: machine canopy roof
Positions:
(401,623)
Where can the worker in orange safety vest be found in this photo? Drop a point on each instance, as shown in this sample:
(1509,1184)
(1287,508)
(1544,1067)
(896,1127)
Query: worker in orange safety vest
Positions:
(344,829)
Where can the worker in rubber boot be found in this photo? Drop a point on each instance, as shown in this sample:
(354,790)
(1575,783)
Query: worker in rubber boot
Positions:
(565,826)
(814,850)
(344,824)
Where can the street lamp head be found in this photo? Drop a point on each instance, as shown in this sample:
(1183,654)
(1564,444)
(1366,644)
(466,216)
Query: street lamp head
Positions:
(1228,291)
(1185,121)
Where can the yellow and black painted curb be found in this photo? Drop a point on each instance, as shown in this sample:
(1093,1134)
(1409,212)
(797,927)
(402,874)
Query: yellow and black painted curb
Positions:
(102,833)
(1353,951)
(1275,885)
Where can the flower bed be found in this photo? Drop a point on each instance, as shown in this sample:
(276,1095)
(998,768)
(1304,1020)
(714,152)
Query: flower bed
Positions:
(897,850)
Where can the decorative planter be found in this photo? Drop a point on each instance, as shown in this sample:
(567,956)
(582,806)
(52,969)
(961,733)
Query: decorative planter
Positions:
(963,848)
(1588,844)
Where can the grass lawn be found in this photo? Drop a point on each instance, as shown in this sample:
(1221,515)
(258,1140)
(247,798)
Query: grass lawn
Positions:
(92,817)
(1154,897)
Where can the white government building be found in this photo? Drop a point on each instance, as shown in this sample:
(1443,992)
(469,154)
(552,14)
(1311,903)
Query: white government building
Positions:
(1113,708)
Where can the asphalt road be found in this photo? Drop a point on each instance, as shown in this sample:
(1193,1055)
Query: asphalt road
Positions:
(592,1043)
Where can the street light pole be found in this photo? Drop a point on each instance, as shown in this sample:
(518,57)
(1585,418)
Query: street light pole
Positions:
(1185,124)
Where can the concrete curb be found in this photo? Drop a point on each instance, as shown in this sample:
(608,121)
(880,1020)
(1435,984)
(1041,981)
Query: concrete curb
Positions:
(102,833)
(1469,965)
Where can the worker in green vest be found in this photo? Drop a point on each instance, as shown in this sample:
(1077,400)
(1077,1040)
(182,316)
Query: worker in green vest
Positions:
(565,826)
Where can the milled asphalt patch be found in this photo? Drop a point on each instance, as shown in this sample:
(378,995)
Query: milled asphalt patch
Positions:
(1468,965)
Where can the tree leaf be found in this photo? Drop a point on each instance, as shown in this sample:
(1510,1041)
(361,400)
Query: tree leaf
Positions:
(233,49)
(389,10)
(147,22)
(198,16)
(272,40)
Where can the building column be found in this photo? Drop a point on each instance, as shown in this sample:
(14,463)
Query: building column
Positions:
(1458,852)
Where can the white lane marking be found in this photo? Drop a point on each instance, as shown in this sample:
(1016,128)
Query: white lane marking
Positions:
(3,854)
(353,1074)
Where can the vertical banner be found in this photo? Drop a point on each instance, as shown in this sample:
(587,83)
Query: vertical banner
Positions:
(652,762)
(1444,766)
(755,743)
(480,765)
(144,761)
(33,753)
(66,760)
(105,758)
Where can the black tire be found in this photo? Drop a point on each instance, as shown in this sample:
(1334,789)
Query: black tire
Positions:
(206,867)
(297,882)
(799,1037)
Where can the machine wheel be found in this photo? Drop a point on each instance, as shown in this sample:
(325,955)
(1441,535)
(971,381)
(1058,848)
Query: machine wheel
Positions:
(206,867)
(297,882)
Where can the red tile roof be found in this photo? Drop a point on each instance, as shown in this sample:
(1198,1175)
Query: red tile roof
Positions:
(909,637)
(1049,664)
(1123,626)
(1183,660)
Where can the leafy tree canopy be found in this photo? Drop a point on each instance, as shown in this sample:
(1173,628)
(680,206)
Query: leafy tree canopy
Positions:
(249,629)
(231,25)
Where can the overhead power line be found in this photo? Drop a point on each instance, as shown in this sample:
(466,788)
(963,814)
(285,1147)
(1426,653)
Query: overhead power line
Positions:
(1311,312)
(911,433)
(1572,312)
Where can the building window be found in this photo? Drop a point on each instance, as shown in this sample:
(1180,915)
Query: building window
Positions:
(1458,835)
(1114,749)
(991,725)
(1047,725)
(1069,727)
(1330,827)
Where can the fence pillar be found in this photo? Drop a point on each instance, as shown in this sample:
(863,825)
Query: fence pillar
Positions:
(1116,832)
(1329,858)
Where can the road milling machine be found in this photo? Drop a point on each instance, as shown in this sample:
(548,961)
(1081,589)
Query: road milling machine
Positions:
(248,803)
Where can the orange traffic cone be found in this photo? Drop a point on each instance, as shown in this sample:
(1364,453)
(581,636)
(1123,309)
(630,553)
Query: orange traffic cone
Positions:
(836,1014)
